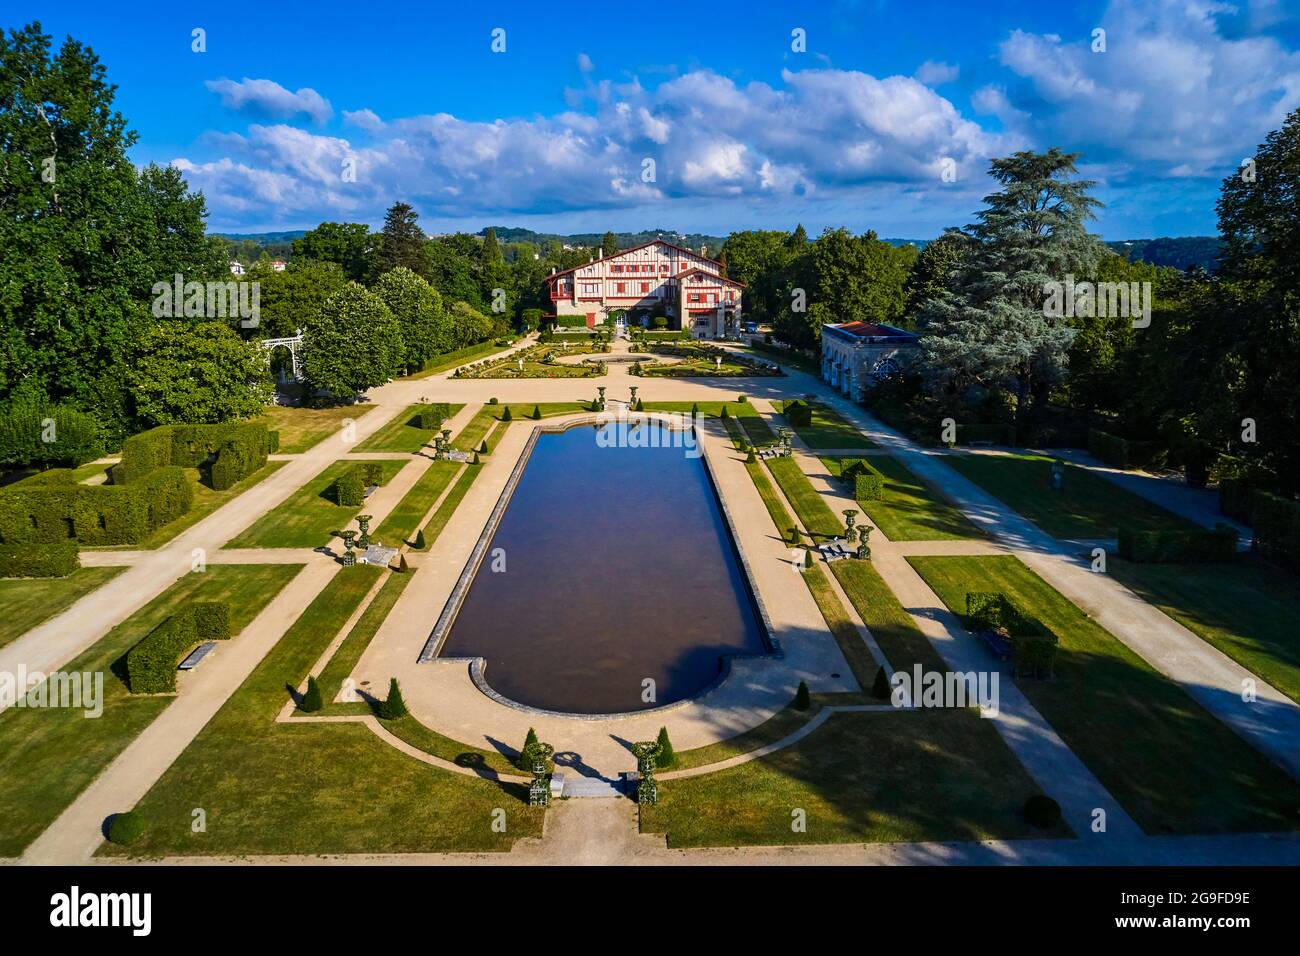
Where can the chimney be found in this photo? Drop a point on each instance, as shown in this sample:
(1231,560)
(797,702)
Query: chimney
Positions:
(704,251)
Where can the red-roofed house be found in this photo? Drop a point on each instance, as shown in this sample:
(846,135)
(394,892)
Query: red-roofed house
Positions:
(657,278)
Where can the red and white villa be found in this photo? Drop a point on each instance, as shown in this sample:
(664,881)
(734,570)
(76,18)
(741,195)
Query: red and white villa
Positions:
(657,278)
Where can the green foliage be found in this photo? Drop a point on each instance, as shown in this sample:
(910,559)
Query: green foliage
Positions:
(808,559)
(880,689)
(419,542)
(530,741)
(1042,811)
(665,758)
(151,663)
(57,512)
(355,344)
(1122,452)
(39,561)
(402,243)
(797,413)
(424,326)
(311,701)
(393,706)
(1168,547)
(506,416)
(126,828)
(802,700)
(537,412)
(348,245)
(37,434)
(1033,647)
(229,452)
(1276,522)
(349,488)
(868,483)
(196,372)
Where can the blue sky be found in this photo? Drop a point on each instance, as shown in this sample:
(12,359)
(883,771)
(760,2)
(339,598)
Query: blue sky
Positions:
(297,113)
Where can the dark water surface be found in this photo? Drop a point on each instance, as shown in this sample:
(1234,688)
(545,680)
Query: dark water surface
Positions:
(619,567)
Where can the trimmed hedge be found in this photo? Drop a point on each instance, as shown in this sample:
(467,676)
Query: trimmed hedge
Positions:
(33,433)
(39,561)
(350,487)
(1164,547)
(1033,647)
(431,415)
(571,321)
(229,452)
(1277,528)
(56,511)
(1003,434)
(1123,452)
(151,664)
(1237,499)
(797,413)
(868,483)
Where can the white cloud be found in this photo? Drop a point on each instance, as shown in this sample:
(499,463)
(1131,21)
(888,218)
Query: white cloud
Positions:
(933,73)
(585,64)
(271,99)
(365,119)
(1171,92)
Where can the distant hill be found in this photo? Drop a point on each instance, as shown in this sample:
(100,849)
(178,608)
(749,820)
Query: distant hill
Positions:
(1181,252)
(626,240)
(263,238)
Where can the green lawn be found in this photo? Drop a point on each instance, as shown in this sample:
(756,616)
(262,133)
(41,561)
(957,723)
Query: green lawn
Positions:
(780,725)
(471,353)
(26,602)
(706,409)
(1249,609)
(402,522)
(400,434)
(1088,506)
(829,429)
(345,658)
(449,505)
(306,518)
(472,435)
(895,632)
(757,430)
(812,509)
(1173,766)
(910,509)
(307,788)
(51,755)
(302,428)
(859,778)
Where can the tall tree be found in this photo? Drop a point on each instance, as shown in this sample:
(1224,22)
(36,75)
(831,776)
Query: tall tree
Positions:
(609,245)
(425,328)
(402,242)
(347,244)
(83,234)
(990,327)
(356,344)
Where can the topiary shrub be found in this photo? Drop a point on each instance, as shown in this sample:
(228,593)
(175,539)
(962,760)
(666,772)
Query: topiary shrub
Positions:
(419,540)
(537,413)
(506,416)
(348,489)
(742,399)
(666,757)
(211,620)
(750,458)
(880,686)
(126,828)
(393,706)
(1042,811)
(802,700)
(311,701)
(402,566)
(808,559)
(483,447)
(492,401)
(797,413)
(151,663)
(530,741)
(723,414)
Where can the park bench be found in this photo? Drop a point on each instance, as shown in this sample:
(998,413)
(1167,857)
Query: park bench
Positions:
(195,657)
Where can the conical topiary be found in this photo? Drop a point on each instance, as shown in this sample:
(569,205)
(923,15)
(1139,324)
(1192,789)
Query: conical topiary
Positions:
(808,559)
(482,447)
(724,412)
(402,566)
(801,698)
(474,460)
(393,707)
(311,701)
(695,410)
(640,405)
(665,757)
(419,540)
(506,416)
(880,687)
(751,457)
(530,741)
(537,412)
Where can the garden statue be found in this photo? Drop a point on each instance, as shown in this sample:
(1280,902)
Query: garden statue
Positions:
(363,540)
(349,559)
(633,402)
(601,389)
(521,365)
(1058,475)
(446,434)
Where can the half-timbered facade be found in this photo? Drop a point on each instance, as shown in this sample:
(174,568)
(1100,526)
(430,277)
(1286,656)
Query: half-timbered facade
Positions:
(657,278)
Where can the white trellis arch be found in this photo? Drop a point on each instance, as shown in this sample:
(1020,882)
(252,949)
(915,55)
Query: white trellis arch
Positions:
(291,342)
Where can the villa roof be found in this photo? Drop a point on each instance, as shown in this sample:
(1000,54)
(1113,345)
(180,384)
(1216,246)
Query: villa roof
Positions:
(623,252)
(712,275)
(869,331)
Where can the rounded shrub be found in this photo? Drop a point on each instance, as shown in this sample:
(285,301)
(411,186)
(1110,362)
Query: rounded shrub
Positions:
(492,401)
(742,399)
(126,828)
(1042,811)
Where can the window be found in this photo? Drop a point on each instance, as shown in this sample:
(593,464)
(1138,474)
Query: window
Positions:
(621,287)
(645,286)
